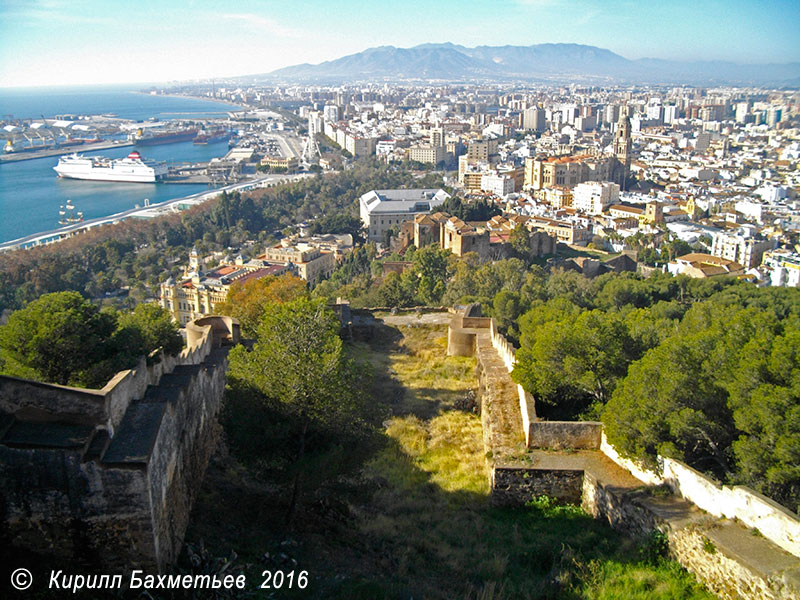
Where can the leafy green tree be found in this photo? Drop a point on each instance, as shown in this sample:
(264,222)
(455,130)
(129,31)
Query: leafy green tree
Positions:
(247,302)
(56,339)
(671,404)
(154,328)
(620,290)
(575,352)
(765,399)
(506,309)
(572,285)
(721,392)
(299,365)
(340,222)
(430,271)
(394,291)
(520,239)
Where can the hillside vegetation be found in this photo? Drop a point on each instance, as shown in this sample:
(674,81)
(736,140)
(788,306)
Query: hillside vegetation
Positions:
(403,512)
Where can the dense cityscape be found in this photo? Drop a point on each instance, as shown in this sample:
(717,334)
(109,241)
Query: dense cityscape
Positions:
(430,322)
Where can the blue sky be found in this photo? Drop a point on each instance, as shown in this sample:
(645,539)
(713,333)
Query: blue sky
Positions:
(59,42)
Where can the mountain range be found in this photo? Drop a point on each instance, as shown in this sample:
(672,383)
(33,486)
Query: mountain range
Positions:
(553,62)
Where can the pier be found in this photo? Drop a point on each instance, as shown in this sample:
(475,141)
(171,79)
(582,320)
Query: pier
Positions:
(61,150)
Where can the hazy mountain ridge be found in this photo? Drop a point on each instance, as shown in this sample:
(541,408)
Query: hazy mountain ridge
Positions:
(550,61)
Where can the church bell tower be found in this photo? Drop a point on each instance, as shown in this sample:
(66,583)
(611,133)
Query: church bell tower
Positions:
(622,148)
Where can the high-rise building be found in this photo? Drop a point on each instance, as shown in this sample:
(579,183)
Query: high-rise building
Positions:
(315,124)
(533,119)
(654,109)
(741,112)
(611,114)
(437,136)
(774,114)
(330,113)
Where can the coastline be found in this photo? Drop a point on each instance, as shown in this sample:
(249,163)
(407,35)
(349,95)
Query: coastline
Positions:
(153,211)
(184,96)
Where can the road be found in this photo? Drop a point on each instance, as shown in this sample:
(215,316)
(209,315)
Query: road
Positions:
(55,235)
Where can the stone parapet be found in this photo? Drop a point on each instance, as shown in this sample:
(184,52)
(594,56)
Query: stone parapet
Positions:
(113,484)
(706,524)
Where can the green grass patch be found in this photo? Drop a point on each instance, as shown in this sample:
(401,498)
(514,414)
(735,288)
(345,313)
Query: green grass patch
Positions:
(415,520)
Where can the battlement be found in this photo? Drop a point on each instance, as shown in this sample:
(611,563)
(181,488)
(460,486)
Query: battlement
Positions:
(113,472)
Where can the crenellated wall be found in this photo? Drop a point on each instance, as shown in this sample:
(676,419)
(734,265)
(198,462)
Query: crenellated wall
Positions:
(109,476)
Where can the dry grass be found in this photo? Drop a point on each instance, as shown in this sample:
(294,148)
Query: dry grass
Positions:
(432,381)
(416,521)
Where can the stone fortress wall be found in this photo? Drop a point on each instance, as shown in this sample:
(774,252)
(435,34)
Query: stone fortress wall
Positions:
(109,475)
(738,542)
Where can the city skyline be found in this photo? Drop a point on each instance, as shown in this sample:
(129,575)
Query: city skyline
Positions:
(54,42)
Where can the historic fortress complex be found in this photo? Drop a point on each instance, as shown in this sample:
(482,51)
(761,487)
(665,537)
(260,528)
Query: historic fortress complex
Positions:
(110,475)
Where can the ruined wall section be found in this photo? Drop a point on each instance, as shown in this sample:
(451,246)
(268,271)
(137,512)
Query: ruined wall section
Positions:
(109,476)
(714,543)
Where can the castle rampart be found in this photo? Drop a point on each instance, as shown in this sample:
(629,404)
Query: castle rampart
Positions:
(109,475)
(705,524)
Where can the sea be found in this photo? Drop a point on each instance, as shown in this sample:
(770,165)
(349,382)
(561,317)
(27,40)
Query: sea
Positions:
(30,191)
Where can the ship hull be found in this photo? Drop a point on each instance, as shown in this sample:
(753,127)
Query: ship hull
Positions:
(117,177)
(173,138)
(203,139)
(126,170)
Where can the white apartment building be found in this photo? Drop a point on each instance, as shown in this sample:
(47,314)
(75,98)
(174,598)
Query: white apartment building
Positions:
(745,250)
(315,124)
(593,197)
(784,268)
(499,185)
(330,113)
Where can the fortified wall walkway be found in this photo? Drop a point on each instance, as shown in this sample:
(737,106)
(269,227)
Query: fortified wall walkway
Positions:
(734,561)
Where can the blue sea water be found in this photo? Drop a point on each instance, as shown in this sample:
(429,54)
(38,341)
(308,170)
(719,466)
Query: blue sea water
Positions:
(34,103)
(31,192)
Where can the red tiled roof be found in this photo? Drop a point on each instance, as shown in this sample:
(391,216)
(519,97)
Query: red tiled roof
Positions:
(263,272)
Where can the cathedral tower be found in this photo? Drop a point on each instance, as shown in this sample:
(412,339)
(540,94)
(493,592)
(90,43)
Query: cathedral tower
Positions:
(622,148)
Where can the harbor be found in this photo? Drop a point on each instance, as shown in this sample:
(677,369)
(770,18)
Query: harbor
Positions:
(92,154)
(142,212)
(61,150)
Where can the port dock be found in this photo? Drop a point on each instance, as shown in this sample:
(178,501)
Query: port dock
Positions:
(61,150)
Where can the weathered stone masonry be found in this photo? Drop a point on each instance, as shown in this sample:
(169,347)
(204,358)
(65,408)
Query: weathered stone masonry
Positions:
(573,462)
(108,476)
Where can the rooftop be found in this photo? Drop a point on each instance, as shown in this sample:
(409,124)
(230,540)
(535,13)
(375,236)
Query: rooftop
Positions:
(406,200)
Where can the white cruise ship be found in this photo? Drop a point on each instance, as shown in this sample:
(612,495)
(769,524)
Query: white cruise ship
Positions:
(132,168)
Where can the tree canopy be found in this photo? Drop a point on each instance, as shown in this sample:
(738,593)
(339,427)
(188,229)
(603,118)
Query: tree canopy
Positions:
(247,301)
(722,392)
(63,338)
(298,368)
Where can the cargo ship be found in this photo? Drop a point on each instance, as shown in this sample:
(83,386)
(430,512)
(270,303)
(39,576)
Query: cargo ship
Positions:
(209,136)
(131,169)
(145,137)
